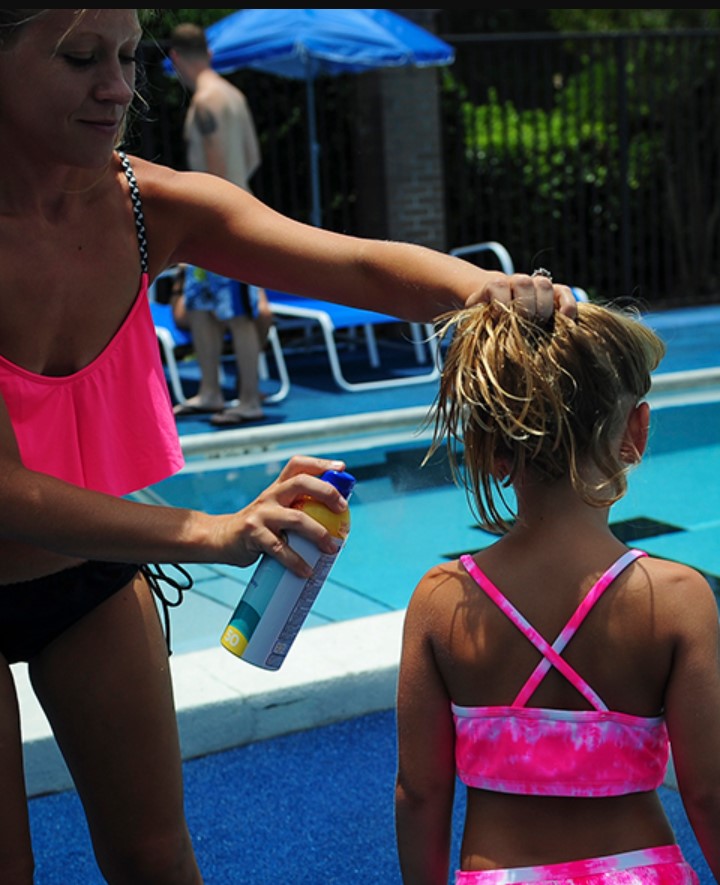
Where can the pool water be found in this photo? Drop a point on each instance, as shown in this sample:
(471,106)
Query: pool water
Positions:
(406,517)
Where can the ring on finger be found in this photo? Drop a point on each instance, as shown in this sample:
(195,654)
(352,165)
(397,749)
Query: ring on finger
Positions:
(542,272)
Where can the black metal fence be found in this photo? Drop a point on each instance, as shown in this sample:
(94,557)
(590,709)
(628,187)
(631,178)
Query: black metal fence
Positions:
(597,156)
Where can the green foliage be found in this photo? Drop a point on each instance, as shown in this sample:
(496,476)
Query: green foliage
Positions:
(509,21)
(540,144)
(602,20)
(591,145)
(538,141)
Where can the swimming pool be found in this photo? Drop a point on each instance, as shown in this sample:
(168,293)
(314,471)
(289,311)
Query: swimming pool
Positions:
(407,518)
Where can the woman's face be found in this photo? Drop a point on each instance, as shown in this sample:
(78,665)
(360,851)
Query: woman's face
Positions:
(66,84)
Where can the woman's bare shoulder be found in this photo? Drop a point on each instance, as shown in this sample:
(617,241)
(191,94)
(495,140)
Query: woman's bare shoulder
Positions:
(156,180)
(177,205)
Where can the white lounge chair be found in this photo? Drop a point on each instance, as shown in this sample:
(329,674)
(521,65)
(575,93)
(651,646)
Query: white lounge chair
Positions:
(294,311)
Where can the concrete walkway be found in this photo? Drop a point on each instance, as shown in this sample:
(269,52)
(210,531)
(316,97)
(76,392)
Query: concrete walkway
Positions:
(332,673)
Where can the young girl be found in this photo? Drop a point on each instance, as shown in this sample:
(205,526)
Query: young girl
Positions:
(548,671)
(86,419)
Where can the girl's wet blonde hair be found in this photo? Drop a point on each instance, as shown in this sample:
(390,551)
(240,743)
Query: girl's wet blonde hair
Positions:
(517,396)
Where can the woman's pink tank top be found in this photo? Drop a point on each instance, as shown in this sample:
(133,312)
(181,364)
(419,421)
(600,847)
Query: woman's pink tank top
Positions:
(110,426)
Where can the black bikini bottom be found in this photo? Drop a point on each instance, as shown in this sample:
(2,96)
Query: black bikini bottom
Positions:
(34,613)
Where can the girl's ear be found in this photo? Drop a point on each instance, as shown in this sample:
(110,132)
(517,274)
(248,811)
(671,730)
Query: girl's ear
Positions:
(635,438)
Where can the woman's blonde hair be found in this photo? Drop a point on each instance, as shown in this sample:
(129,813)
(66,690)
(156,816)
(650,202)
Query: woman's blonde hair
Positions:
(11,20)
(517,396)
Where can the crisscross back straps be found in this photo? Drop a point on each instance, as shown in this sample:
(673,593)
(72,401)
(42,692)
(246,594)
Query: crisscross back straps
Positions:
(551,653)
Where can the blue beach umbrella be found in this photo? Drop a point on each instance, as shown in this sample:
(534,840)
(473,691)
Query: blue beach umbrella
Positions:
(303,44)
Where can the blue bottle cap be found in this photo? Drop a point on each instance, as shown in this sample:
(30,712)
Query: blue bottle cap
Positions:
(343,482)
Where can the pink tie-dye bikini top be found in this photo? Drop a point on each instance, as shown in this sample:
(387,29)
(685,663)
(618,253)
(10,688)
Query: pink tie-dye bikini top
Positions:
(547,752)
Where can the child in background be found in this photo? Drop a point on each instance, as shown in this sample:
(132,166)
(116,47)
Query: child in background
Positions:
(561,739)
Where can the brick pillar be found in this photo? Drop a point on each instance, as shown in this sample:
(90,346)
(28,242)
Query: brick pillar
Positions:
(400,163)
(413,157)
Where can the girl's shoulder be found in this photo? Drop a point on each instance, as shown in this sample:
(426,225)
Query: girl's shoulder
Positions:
(443,573)
(674,579)
(681,596)
(442,591)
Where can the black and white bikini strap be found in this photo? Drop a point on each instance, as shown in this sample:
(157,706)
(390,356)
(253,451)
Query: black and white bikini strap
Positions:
(137,210)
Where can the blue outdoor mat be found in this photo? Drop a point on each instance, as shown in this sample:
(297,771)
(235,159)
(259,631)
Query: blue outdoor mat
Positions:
(308,808)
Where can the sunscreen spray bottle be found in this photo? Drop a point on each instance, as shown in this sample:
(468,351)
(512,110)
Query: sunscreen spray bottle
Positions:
(276,602)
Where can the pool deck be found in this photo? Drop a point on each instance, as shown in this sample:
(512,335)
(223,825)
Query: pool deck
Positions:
(343,670)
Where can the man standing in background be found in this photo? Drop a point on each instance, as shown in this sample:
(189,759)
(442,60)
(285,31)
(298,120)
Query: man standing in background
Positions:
(220,139)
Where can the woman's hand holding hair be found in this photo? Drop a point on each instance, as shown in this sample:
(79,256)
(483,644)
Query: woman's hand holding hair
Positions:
(535,294)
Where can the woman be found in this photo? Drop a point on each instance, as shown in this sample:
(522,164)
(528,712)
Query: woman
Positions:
(85,419)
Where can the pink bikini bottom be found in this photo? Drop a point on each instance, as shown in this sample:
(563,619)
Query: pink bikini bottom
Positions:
(650,866)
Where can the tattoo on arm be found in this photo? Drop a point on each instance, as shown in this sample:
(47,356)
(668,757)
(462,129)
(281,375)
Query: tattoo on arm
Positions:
(206,122)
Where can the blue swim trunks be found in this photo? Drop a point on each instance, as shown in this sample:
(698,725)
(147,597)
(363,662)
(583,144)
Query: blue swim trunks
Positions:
(223,297)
